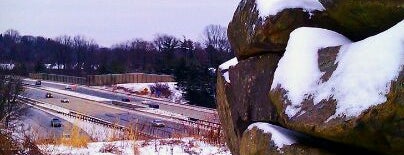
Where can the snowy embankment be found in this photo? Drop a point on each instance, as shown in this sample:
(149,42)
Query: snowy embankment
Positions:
(163,113)
(74,94)
(361,80)
(176,93)
(182,146)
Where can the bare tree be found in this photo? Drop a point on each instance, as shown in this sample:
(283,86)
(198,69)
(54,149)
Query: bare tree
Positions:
(12,34)
(166,43)
(63,57)
(216,36)
(10,89)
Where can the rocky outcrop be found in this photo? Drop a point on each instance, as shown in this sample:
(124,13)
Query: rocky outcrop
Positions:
(265,139)
(240,102)
(379,128)
(244,93)
(359,19)
(251,34)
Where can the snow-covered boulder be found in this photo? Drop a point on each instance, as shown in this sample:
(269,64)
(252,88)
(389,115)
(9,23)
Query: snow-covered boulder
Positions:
(264,139)
(359,19)
(346,92)
(263,26)
(242,88)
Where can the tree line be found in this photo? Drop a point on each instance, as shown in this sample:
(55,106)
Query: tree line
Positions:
(191,62)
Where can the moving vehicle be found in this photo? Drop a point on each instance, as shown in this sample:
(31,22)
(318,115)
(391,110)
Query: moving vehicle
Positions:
(157,123)
(155,106)
(64,100)
(49,95)
(125,100)
(38,82)
(56,122)
(68,87)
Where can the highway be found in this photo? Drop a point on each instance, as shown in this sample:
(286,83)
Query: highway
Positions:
(189,111)
(109,113)
(37,122)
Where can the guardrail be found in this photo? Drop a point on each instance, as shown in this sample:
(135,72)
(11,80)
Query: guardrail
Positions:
(197,122)
(144,131)
(152,132)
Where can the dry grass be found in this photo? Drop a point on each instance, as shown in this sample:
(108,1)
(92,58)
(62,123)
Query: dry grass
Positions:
(74,138)
(110,148)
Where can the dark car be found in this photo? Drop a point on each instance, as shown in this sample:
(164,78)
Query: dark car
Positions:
(155,106)
(49,95)
(125,100)
(56,122)
(193,119)
(64,100)
(38,83)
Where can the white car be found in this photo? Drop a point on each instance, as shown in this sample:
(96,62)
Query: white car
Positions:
(158,123)
(68,87)
(64,100)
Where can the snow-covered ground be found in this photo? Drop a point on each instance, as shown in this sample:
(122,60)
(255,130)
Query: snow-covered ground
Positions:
(162,112)
(175,97)
(184,146)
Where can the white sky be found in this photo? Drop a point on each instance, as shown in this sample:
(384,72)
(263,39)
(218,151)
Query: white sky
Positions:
(113,21)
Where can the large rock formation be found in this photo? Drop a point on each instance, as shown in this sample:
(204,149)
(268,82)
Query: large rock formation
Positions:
(240,100)
(358,19)
(263,138)
(251,34)
(244,94)
(340,116)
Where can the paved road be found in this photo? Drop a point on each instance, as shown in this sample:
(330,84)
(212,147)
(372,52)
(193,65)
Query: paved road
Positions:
(107,112)
(179,109)
(37,122)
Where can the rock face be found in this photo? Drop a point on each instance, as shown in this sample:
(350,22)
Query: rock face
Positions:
(252,35)
(244,94)
(358,19)
(257,141)
(240,102)
(380,128)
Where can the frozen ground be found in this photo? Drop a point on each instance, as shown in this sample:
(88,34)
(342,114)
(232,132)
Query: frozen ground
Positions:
(184,146)
(175,97)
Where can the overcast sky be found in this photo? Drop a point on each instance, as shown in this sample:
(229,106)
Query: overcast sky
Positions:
(113,21)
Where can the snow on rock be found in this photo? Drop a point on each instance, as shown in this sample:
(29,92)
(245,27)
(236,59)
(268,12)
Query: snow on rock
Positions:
(298,71)
(225,67)
(365,71)
(272,7)
(279,135)
(361,80)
